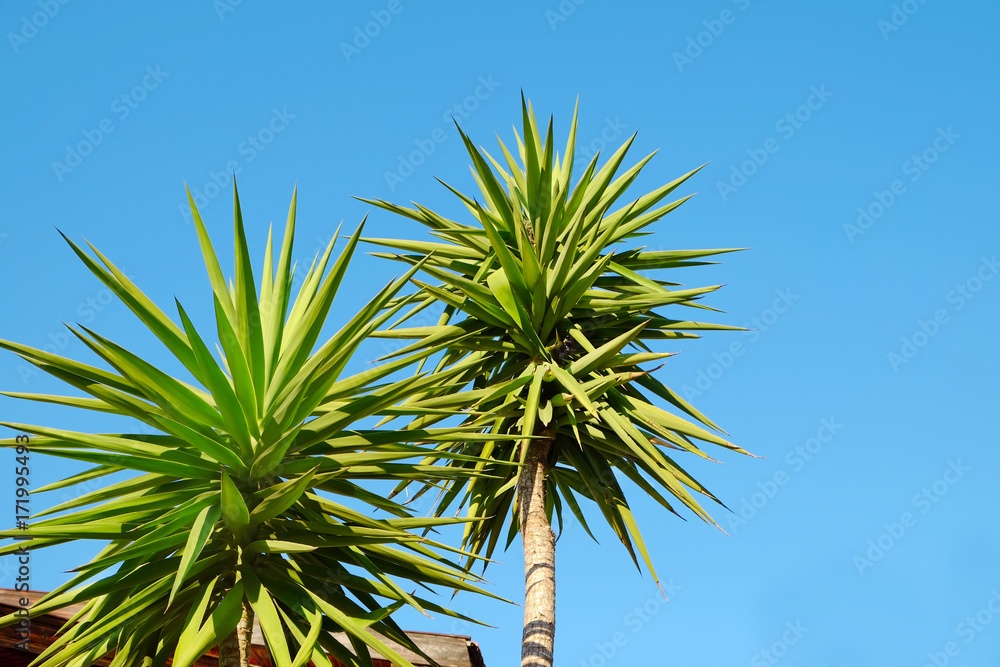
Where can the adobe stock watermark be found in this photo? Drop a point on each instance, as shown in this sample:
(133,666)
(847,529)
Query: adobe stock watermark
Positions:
(760,323)
(247,151)
(634,622)
(697,43)
(425,146)
(779,649)
(122,107)
(613,128)
(223,7)
(922,501)
(56,342)
(796,459)
(786,127)
(363,35)
(914,168)
(31,25)
(562,12)
(901,13)
(968,629)
(22,511)
(962,294)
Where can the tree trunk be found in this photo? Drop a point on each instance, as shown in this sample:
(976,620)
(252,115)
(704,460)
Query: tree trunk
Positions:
(234,650)
(539,559)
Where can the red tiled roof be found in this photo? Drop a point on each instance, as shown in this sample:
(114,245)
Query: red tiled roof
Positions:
(446,650)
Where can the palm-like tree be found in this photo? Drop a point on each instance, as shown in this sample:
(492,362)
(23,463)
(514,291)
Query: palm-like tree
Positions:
(235,511)
(541,304)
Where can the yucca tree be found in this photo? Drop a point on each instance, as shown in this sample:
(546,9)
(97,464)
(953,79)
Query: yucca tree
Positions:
(234,511)
(543,299)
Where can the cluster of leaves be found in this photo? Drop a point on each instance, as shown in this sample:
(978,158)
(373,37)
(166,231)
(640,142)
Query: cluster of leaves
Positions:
(548,319)
(247,493)
(237,496)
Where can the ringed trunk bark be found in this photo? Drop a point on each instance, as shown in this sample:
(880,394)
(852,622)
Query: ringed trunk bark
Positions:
(539,559)
(234,650)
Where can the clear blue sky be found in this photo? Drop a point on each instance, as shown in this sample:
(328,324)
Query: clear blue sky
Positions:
(871,383)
